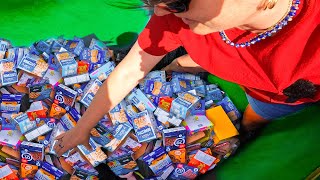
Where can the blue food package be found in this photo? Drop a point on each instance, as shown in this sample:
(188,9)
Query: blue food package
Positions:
(97,44)
(23,123)
(144,127)
(48,172)
(153,75)
(75,46)
(230,109)
(69,67)
(65,96)
(101,135)
(200,109)
(140,100)
(33,64)
(89,91)
(184,172)
(39,92)
(187,76)
(93,56)
(201,91)
(103,72)
(159,162)
(10,103)
(8,72)
(174,138)
(180,85)
(118,114)
(70,119)
(95,156)
(31,153)
(123,165)
(120,132)
(214,94)
(43,46)
(158,88)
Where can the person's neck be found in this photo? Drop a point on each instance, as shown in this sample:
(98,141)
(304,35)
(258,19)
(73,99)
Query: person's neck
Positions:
(264,19)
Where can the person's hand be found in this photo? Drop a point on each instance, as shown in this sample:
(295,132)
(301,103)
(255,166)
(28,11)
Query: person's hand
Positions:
(71,139)
(175,66)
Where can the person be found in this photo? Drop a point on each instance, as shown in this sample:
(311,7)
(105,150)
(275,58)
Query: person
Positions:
(269,47)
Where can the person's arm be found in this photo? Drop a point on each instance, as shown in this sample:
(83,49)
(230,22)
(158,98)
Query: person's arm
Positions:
(133,68)
(184,64)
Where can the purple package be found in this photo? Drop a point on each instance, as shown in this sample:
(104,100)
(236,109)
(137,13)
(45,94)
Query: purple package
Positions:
(93,56)
(48,172)
(65,96)
(31,153)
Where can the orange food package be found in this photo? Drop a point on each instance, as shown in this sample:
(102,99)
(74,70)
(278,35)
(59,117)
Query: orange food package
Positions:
(178,155)
(28,170)
(56,111)
(202,161)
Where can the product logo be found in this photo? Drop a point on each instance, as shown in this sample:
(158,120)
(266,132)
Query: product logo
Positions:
(179,141)
(27,156)
(59,97)
(180,171)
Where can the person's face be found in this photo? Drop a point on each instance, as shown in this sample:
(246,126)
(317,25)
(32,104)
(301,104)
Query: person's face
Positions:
(207,16)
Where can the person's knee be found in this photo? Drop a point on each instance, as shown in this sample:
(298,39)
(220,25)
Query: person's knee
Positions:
(251,120)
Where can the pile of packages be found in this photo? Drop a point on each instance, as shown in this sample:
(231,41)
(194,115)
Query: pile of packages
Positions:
(169,127)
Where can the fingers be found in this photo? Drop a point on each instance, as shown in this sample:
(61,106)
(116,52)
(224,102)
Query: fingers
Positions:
(61,147)
(60,136)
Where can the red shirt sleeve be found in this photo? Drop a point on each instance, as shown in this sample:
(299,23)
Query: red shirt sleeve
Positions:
(157,38)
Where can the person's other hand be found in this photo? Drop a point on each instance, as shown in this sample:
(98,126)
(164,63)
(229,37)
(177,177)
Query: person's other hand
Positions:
(71,139)
(175,66)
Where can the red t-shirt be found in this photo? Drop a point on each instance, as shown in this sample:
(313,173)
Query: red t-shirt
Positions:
(265,69)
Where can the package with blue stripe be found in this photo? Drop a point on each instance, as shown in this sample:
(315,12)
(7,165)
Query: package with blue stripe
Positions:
(174,138)
(89,91)
(33,64)
(158,88)
(120,133)
(180,85)
(183,105)
(140,100)
(96,156)
(93,56)
(159,162)
(103,72)
(144,127)
(31,153)
(123,165)
(10,103)
(65,96)
(101,135)
(70,119)
(75,46)
(48,172)
(8,72)
(23,123)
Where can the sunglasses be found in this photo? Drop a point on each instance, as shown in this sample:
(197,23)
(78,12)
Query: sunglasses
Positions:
(176,7)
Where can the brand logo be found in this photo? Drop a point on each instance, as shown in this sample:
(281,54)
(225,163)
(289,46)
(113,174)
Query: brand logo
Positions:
(59,97)
(179,141)
(27,156)
(180,171)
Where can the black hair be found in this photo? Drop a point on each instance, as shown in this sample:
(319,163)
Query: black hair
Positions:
(300,89)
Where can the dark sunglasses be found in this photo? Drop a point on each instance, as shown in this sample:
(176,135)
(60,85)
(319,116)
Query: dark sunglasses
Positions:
(176,7)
